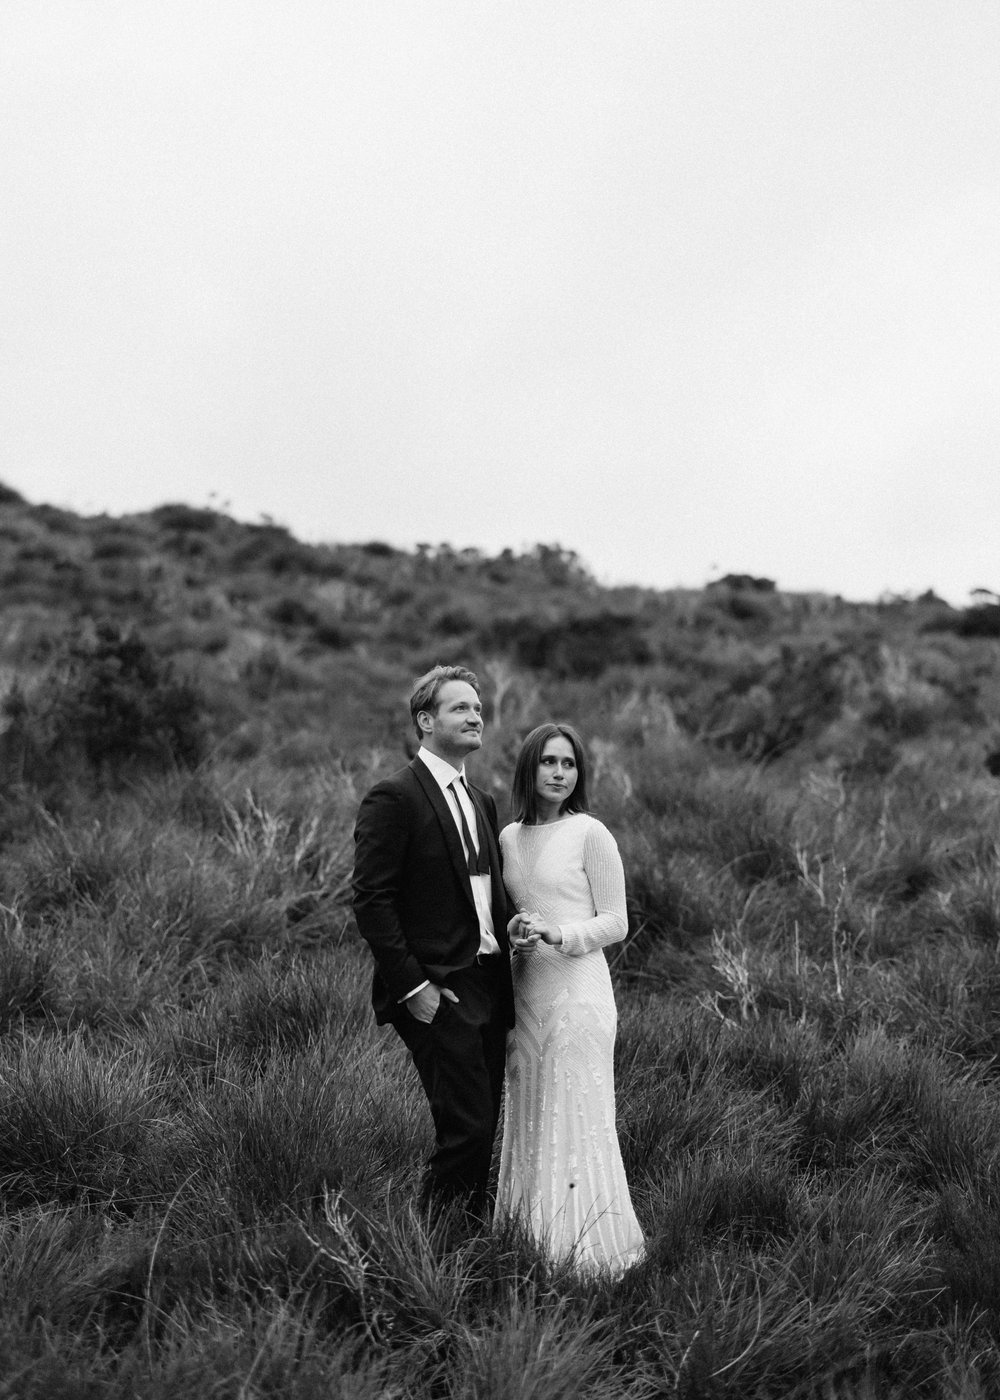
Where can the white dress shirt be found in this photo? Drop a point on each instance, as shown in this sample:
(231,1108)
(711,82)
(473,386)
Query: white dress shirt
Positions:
(444,775)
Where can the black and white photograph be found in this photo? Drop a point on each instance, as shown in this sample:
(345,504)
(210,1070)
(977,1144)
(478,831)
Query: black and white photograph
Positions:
(500,700)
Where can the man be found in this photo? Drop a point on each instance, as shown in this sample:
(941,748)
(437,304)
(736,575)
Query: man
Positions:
(429,900)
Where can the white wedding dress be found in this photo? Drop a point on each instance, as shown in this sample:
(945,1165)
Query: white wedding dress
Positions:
(561,1169)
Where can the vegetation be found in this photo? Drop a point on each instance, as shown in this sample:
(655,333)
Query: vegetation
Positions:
(208,1150)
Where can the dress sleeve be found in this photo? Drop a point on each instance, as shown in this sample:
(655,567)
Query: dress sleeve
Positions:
(606,874)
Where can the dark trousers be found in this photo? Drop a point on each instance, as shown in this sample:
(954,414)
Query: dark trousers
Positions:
(460,1060)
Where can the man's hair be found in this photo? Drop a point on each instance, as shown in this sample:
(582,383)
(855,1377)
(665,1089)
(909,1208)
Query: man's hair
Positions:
(524,800)
(424,695)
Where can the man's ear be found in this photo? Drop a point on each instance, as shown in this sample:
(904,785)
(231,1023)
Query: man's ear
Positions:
(425,721)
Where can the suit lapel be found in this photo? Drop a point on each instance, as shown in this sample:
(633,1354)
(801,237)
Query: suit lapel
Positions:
(498,893)
(449,830)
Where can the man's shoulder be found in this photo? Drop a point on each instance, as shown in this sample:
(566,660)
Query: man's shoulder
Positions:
(401,781)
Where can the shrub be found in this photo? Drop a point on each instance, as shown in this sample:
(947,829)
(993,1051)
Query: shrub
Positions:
(271,671)
(453,621)
(271,548)
(117,545)
(791,699)
(290,612)
(581,647)
(10,497)
(186,518)
(981,620)
(744,583)
(333,635)
(109,705)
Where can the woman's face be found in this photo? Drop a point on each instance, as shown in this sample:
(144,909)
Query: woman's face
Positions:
(556,775)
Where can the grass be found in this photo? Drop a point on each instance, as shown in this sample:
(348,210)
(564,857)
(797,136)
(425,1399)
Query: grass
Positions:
(208,1151)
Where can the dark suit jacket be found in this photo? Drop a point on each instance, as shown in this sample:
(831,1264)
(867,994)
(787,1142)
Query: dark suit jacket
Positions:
(412,893)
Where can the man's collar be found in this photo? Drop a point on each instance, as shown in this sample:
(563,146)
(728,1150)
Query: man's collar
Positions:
(442,771)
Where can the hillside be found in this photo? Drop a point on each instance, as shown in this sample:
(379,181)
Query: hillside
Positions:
(207,1149)
(282,637)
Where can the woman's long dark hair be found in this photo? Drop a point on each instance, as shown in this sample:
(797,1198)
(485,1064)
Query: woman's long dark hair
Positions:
(522,789)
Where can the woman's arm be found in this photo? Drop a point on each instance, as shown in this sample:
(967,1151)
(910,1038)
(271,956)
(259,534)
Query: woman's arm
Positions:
(603,866)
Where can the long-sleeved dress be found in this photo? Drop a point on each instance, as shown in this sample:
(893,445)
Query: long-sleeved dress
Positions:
(561,1168)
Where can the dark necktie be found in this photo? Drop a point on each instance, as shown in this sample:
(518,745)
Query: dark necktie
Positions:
(478,864)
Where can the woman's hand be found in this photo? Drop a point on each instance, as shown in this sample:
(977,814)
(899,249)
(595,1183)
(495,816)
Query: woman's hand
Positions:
(522,939)
(534,926)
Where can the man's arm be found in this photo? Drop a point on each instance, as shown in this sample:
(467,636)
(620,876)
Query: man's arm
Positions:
(381,839)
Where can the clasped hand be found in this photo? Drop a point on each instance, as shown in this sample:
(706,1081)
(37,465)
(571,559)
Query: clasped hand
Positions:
(525,930)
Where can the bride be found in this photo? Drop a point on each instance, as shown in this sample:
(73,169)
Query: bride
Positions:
(561,1169)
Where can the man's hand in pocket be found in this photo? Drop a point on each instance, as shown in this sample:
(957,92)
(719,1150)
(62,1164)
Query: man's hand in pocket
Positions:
(423,1005)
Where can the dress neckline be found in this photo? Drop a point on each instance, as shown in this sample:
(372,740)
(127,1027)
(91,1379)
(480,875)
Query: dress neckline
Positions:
(545,826)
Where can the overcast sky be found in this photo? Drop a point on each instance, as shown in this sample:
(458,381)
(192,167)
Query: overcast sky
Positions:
(687,286)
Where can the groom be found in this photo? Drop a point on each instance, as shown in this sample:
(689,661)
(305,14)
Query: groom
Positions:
(429,900)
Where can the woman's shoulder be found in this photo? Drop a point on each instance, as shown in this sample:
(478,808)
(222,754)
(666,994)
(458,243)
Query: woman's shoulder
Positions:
(510,830)
(595,830)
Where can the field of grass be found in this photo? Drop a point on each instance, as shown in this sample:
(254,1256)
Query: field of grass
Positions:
(208,1151)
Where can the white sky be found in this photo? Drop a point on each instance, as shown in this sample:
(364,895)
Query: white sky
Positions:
(687,286)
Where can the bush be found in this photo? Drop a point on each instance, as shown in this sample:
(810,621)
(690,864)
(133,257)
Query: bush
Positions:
(117,545)
(109,705)
(178,516)
(290,612)
(581,647)
(981,620)
(333,635)
(271,549)
(790,700)
(10,497)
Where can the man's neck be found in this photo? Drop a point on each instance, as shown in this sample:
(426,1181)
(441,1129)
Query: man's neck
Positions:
(457,763)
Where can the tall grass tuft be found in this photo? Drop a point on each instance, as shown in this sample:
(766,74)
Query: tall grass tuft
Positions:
(28,987)
(76,1124)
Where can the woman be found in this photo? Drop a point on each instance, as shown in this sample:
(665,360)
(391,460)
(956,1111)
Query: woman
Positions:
(560,1167)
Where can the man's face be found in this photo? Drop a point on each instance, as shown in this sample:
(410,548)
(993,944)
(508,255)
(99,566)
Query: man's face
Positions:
(455,728)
